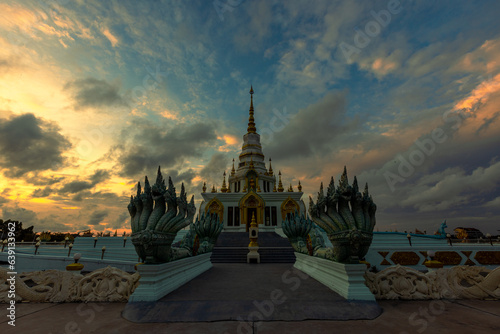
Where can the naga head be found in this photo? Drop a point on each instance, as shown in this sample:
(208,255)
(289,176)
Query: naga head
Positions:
(131,206)
(146,195)
(158,188)
(321,201)
(182,200)
(313,208)
(344,190)
(191,209)
(356,195)
(137,198)
(170,195)
(332,197)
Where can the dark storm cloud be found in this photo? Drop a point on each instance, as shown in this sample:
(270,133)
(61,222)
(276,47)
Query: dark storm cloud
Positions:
(91,92)
(99,176)
(73,187)
(45,192)
(313,130)
(212,172)
(97,217)
(3,200)
(181,177)
(152,145)
(27,217)
(100,196)
(121,222)
(28,143)
(38,180)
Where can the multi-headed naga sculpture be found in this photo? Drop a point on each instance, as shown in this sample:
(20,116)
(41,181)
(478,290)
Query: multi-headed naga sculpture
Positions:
(157,214)
(347,217)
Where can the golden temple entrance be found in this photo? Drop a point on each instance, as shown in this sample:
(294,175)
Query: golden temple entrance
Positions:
(251,204)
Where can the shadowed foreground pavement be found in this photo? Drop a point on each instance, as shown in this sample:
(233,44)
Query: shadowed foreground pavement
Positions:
(253,293)
(212,296)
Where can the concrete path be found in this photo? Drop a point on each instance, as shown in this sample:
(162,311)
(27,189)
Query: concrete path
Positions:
(251,292)
(397,317)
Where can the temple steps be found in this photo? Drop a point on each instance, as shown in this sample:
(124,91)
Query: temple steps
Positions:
(232,247)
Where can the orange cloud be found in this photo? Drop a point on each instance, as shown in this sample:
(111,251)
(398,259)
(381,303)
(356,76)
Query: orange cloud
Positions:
(169,115)
(113,40)
(480,93)
(17,16)
(383,66)
(231,143)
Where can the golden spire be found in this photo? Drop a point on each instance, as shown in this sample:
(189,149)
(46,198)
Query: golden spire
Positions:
(224,188)
(290,189)
(280,185)
(213,189)
(274,185)
(232,170)
(299,186)
(204,187)
(271,173)
(251,121)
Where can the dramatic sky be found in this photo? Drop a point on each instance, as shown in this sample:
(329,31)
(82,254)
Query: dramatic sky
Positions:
(94,95)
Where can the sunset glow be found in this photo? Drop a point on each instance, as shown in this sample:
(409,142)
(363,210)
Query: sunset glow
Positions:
(95,95)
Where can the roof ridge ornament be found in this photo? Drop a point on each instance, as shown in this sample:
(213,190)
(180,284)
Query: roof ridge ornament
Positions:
(232,170)
(280,184)
(271,173)
(224,187)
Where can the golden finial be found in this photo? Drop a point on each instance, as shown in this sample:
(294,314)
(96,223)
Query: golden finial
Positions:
(280,185)
(299,186)
(271,173)
(251,166)
(213,189)
(232,170)
(253,224)
(251,121)
(224,188)
(274,186)
(290,189)
(204,189)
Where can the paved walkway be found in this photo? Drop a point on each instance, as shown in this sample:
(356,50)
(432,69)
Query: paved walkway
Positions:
(217,288)
(251,292)
(397,317)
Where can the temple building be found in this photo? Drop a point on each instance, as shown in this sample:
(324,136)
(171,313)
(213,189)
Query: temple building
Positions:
(252,190)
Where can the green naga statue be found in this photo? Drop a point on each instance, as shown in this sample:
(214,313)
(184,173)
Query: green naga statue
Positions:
(157,214)
(346,215)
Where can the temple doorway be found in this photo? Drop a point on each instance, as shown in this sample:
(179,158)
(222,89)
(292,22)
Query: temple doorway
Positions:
(251,204)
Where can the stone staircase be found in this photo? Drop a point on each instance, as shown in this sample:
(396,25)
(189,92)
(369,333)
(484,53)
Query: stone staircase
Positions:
(232,247)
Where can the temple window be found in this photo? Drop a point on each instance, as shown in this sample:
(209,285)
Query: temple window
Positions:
(236,216)
(268,216)
(274,218)
(230,216)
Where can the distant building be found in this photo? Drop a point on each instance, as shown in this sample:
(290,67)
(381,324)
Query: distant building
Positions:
(468,233)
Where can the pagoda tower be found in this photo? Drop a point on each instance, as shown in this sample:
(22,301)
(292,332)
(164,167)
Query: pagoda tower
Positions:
(251,158)
(252,189)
